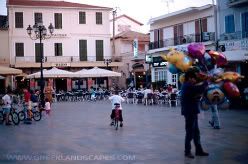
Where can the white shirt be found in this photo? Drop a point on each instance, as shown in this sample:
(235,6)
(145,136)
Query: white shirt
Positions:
(146,91)
(47,106)
(7,101)
(116,99)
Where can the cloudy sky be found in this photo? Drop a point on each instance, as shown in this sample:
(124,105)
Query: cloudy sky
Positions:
(141,10)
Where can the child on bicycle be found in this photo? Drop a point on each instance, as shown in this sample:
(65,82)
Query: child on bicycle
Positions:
(7,105)
(47,106)
(116,99)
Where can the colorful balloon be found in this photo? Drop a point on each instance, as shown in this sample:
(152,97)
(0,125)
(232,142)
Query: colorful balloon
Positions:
(231,76)
(218,58)
(184,64)
(173,56)
(216,72)
(231,89)
(196,50)
(173,69)
(215,95)
(182,78)
(207,62)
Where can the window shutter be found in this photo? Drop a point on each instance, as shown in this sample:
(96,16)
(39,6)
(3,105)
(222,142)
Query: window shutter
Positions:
(99,50)
(19,20)
(83,50)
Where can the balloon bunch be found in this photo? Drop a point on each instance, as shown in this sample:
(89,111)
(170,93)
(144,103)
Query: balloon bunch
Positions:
(208,67)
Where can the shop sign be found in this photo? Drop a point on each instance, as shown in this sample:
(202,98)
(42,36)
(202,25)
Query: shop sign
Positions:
(61,64)
(236,45)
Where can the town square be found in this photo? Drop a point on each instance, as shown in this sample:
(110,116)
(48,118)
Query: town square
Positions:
(113,81)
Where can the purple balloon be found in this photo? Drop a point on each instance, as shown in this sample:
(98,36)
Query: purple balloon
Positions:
(196,50)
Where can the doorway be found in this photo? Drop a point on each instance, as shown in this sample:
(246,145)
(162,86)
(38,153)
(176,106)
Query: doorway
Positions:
(61,84)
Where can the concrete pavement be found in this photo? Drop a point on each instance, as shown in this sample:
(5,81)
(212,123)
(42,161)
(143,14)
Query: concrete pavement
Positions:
(79,132)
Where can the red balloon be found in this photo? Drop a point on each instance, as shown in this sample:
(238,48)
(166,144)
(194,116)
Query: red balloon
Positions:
(196,50)
(218,58)
(231,89)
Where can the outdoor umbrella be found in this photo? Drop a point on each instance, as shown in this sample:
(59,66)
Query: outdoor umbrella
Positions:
(9,71)
(98,72)
(53,73)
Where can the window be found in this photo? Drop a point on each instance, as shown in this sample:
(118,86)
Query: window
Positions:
(37,18)
(229,24)
(38,52)
(160,74)
(82,18)
(58,20)
(83,50)
(99,50)
(174,78)
(98,18)
(58,49)
(19,47)
(245,25)
(19,20)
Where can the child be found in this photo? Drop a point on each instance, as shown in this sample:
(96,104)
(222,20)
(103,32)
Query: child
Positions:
(116,99)
(7,105)
(47,106)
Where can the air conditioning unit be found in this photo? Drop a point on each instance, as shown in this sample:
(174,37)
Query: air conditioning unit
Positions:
(206,36)
(187,39)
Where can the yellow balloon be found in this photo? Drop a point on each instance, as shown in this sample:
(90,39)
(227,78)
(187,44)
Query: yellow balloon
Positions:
(184,64)
(182,78)
(231,76)
(173,56)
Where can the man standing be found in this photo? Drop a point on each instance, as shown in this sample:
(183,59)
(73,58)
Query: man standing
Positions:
(191,93)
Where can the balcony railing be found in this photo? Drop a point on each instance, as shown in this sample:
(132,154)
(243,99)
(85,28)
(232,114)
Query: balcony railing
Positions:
(57,59)
(237,3)
(204,37)
(234,36)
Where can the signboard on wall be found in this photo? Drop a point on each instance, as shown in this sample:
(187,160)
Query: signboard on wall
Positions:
(159,62)
(61,64)
(236,45)
(135,48)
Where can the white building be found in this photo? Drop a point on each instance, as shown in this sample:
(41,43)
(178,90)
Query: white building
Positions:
(125,23)
(178,29)
(81,35)
(233,35)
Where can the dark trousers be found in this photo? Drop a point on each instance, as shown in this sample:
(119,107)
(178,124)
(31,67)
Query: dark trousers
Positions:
(192,132)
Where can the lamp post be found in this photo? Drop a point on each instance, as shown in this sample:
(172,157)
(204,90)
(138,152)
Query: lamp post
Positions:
(107,62)
(40,32)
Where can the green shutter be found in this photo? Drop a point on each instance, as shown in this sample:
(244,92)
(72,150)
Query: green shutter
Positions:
(19,47)
(83,50)
(99,50)
(19,20)
(38,54)
(82,18)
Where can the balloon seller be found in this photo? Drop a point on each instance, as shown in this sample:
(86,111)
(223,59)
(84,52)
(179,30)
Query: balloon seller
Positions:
(207,68)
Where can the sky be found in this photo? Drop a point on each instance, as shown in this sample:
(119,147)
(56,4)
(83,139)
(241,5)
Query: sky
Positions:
(140,10)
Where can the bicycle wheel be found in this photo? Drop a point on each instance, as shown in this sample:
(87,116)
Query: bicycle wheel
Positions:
(21,116)
(1,117)
(14,118)
(116,124)
(37,116)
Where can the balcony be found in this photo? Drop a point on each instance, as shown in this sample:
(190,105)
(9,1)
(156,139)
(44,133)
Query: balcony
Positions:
(237,3)
(204,37)
(234,36)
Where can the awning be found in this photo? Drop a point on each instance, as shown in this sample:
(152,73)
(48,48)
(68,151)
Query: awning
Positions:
(9,71)
(98,72)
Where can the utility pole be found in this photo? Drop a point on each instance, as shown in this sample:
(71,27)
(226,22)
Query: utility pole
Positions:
(114,15)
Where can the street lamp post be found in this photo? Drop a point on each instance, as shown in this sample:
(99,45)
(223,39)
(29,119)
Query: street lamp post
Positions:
(107,62)
(40,32)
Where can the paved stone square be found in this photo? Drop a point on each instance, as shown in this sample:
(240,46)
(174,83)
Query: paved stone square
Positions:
(79,132)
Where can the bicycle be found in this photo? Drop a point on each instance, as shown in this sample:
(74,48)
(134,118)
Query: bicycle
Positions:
(34,113)
(117,115)
(13,116)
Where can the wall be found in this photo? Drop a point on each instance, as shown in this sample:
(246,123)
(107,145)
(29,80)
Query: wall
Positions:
(4,47)
(124,21)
